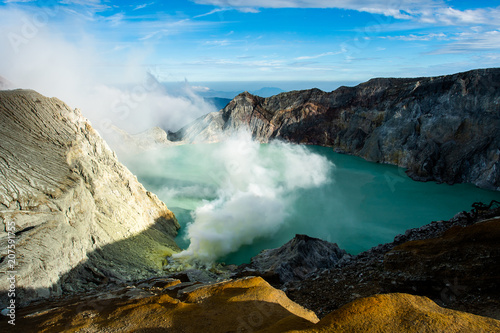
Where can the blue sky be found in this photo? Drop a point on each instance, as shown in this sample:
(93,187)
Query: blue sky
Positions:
(259,40)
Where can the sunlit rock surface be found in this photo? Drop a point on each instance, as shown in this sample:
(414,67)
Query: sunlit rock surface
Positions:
(401,313)
(461,266)
(80,217)
(444,128)
(245,305)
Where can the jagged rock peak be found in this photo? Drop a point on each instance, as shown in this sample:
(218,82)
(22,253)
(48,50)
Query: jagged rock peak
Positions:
(297,259)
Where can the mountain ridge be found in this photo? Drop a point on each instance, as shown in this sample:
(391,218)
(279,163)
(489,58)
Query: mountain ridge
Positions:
(444,128)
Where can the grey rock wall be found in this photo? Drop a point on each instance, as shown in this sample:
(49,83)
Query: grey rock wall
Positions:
(444,128)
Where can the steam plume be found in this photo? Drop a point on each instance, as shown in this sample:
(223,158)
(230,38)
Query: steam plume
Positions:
(255,196)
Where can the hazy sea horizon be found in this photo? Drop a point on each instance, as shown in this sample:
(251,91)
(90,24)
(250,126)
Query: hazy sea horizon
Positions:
(229,89)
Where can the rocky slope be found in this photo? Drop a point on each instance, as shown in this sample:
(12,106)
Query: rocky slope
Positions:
(77,217)
(455,263)
(444,128)
(244,305)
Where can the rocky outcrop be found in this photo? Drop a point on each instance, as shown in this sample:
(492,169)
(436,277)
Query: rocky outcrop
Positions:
(244,305)
(77,217)
(294,261)
(444,128)
(401,313)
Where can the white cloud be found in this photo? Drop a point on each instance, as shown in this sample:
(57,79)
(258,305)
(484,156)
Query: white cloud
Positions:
(318,55)
(36,55)
(421,37)
(425,11)
(116,19)
(144,5)
(469,42)
(223,42)
(217,10)
(94,5)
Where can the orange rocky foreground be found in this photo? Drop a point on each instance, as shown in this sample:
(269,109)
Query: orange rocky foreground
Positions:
(244,305)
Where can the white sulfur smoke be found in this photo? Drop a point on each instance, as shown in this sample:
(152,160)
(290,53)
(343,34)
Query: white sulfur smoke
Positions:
(255,196)
(52,52)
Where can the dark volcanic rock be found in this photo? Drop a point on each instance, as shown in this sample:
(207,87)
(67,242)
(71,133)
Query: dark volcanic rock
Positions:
(455,263)
(464,261)
(444,128)
(295,260)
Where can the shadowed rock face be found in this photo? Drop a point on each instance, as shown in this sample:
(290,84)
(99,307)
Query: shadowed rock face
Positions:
(443,128)
(68,200)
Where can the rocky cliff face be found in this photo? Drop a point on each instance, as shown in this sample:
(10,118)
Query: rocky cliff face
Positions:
(443,128)
(77,216)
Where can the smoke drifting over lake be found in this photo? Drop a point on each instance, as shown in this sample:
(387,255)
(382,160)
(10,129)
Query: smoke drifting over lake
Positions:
(254,196)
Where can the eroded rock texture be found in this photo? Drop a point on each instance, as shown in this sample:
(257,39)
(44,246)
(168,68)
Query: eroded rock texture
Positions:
(443,128)
(81,218)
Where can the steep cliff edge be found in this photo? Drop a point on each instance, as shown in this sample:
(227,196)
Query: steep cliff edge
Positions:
(77,216)
(444,128)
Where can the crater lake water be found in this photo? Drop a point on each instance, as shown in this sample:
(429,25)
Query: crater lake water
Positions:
(362,205)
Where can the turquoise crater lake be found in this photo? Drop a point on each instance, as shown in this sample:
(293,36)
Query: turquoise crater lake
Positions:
(362,205)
